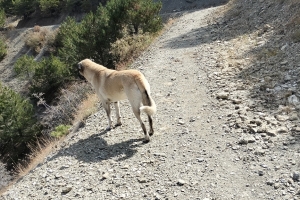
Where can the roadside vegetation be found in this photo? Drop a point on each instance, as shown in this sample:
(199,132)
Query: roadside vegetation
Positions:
(112,33)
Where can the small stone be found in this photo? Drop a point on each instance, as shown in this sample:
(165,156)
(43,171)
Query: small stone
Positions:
(296,176)
(270,182)
(261,173)
(296,129)
(200,159)
(105,175)
(271,132)
(282,118)
(276,185)
(284,62)
(223,95)
(142,180)
(66,189)
(293,100)
(180,122)
(236,101)
(277,167)
(181,182)
(282,130)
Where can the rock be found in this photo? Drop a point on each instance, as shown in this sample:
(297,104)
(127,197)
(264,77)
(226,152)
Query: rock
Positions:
(246,140)
(260,152)
(236,101)
(180,182)
(293,116)
(282,130)
(271,132)
(223,95)
(293,100)
(200,159)
(296,129)
(66,189)
(270,182)
(296,176)
(261,173)
(276,185)
(105,175)
(142,180)
(284,62)
(180,122)
(282,118)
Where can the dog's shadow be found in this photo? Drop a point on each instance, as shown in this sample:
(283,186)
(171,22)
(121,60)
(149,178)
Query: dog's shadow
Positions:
(96,149)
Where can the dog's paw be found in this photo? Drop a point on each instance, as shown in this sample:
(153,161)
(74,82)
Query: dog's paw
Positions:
(147,139)
(118,124)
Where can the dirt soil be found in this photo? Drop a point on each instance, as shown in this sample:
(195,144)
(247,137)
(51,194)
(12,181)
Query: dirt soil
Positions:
(215,138)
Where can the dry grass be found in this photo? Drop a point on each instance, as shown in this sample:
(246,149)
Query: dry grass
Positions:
(39,152)
(36,39)
(86,108)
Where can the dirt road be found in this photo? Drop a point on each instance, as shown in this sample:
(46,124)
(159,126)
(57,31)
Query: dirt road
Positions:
(200,149)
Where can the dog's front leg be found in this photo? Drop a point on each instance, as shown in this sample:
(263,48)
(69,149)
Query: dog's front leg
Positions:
(106,105)
(116,104)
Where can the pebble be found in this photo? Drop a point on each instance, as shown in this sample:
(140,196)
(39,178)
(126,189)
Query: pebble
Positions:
(296,176)
(223,95)
(66,189)
(180,182)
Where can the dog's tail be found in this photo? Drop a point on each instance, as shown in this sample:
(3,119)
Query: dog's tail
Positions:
(150,107)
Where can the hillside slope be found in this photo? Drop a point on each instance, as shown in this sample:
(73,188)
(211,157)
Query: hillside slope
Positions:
(226,84)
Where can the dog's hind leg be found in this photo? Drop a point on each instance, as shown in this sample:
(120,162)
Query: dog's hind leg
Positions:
(118,115)
(136,110)
(151,132)
(137,113)
(106,105)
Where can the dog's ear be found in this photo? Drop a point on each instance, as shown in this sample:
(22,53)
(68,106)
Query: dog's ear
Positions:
(80,67)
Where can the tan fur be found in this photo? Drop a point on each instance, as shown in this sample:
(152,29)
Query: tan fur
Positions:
(112,86)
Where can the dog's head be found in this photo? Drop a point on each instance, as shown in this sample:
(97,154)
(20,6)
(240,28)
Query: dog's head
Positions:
(80,69)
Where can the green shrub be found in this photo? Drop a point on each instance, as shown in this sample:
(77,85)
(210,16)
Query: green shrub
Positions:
(48,4)
(45,76)
(144,15)
(60,131)
(129,47)
(93,37)
(24,7)
(3,49)
(2,17)
(25,67)
(49,75)
(18,126)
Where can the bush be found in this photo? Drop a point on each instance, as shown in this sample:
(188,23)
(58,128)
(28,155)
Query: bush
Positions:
(3,49)
(60,131)
(2,17)
(24,7)
(36,39)
(49,75)
(129,47)
(25,67)
(18,126)
(45,76)
(92,38)
(144,16)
